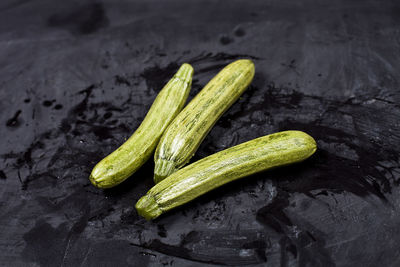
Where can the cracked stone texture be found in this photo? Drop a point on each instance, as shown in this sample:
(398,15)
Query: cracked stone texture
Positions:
(76,79)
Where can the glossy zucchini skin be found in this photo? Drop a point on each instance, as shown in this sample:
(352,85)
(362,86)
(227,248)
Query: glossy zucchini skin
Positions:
(223,167)
(185,134)
(131,155)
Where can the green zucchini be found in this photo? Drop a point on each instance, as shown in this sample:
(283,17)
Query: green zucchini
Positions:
(223,167)
(185,134)
(131,155)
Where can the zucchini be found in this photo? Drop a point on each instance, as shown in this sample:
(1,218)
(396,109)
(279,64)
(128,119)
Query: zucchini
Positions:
(130,156)
(185,134)
(223,167)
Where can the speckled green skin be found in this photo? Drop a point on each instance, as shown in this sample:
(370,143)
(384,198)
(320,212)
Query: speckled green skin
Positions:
(131,155)
(223,167)
(185,134)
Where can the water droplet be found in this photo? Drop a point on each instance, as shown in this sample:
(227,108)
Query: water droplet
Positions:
(47,103)
(239,31)
(246,252)
(14,121)
(58,106)
(225,39)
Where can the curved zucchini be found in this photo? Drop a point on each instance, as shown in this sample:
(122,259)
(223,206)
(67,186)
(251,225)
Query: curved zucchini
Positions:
(185,134)
(223,167)
(131,155)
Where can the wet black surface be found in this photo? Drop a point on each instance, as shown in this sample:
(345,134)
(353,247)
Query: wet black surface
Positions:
(77,78)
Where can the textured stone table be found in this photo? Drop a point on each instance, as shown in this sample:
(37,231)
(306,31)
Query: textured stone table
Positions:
(77,78)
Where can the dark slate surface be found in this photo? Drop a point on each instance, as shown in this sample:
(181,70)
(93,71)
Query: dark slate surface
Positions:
(77,78)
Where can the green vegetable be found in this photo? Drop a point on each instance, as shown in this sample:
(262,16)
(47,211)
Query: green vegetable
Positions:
(130,156)
(185,134)
(223,167)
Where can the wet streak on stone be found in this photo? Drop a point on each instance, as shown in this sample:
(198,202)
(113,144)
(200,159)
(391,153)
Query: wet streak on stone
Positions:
(156,77)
